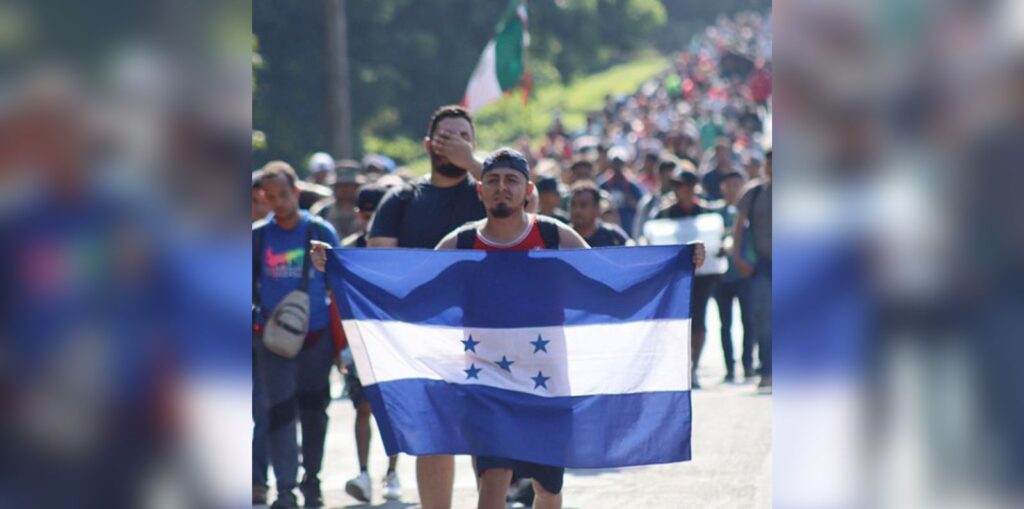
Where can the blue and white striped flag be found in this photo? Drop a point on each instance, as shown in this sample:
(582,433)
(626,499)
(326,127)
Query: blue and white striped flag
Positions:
(574,358)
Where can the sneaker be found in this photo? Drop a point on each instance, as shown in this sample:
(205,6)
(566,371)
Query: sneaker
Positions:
(285,501)
(730,378)
(694,383)
(359,487)
(766,383)
(311,496)
(259,494)
(392,487)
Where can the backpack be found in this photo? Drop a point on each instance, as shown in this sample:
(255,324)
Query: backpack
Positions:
(548,233)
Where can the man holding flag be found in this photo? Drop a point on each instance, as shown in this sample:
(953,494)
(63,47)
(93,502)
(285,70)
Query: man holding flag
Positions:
(458,408)
(503,189)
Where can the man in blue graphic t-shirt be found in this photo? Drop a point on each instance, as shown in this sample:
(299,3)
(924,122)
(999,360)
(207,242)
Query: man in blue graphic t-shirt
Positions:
(295,389)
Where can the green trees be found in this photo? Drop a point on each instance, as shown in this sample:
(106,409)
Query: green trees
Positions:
(407,57)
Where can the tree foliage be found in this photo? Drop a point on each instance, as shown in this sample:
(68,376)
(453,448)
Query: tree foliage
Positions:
(407,57)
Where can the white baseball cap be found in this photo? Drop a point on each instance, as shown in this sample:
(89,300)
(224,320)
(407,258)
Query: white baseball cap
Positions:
(321,162)
(619,152)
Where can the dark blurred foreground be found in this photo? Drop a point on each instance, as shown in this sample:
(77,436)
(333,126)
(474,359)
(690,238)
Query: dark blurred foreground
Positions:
(124,337)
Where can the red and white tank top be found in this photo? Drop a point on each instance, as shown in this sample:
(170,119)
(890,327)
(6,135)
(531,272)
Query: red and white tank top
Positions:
(529,240)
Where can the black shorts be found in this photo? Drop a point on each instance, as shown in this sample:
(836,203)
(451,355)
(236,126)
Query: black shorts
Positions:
(548,477)
(355,387)
(703,288)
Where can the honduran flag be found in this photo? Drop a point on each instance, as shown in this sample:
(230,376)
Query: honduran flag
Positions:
(574,358)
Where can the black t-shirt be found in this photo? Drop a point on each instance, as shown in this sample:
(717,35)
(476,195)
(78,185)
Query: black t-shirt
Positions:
(607,235)
(676,212)
(711,182)
(421,214)
(560,215)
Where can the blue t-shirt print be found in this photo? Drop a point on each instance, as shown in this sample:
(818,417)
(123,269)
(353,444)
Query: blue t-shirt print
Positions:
(281,257)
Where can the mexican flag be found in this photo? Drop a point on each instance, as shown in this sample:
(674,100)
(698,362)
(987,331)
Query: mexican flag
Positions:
(502,65)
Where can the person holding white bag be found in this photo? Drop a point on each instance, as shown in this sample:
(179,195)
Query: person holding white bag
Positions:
(294,350)
(688,204)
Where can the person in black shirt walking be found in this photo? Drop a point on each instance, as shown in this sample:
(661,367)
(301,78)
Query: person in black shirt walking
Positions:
(684,184)
(584,207)
(420,214)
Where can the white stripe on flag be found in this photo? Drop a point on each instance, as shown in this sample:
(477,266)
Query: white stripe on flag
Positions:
(483,85)
(622,358)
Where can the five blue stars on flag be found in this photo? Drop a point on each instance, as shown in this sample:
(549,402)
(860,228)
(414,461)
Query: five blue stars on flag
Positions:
(540,345)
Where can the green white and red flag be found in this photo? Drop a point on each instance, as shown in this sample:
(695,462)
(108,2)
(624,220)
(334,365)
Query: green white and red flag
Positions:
(502,66)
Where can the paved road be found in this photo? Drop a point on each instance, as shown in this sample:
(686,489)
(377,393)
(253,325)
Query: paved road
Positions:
(731,466)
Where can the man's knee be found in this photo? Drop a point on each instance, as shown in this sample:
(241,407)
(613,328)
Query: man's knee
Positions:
(545,498)
(494,483)
(540,490)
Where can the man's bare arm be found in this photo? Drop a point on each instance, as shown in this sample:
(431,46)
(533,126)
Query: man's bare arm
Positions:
(449,241)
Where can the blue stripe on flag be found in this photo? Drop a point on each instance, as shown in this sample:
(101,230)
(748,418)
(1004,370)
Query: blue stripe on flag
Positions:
(421,417)
(512,289)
